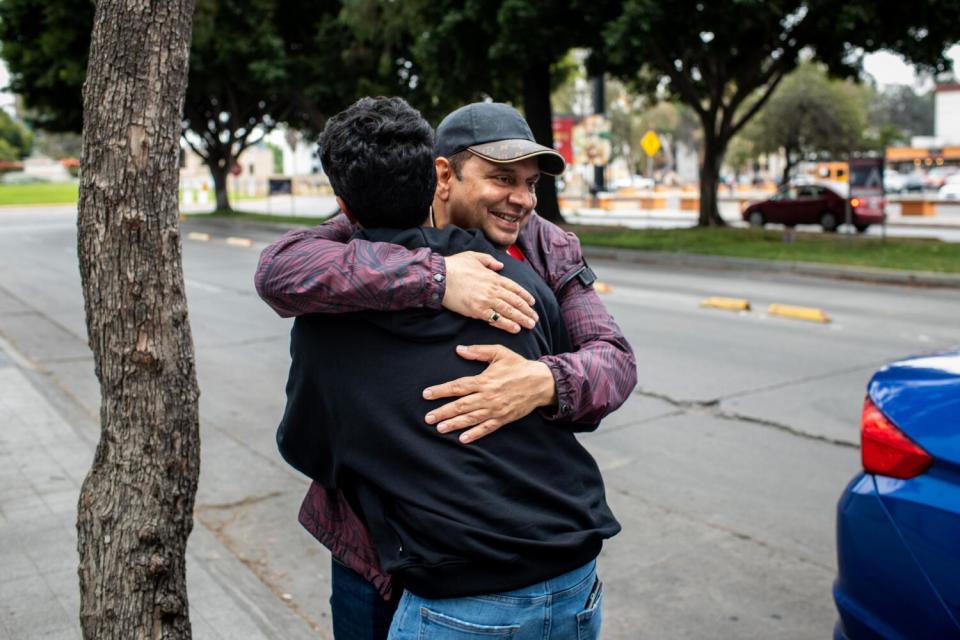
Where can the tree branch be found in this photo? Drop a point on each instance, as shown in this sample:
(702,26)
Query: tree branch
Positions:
(197,150)
(752,111)
(686,90)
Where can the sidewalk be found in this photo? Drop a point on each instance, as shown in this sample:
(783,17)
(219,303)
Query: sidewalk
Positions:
(43,460)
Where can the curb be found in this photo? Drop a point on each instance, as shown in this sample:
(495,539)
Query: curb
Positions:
(808,314)
(832,271)
(727,304)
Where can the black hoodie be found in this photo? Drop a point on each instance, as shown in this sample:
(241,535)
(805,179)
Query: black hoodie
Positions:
(517,507)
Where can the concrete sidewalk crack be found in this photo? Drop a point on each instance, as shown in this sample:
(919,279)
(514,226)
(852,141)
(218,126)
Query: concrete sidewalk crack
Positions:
(257,566)
(713,408)
(687,405)
(739,417)
(869,366)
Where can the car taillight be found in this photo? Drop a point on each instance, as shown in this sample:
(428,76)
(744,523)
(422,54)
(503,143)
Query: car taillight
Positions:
(887,451)
(854,202)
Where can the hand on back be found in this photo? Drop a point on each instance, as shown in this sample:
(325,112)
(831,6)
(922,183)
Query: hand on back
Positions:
(476,290)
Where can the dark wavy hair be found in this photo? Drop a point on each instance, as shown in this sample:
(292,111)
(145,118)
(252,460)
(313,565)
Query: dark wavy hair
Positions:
(378,154)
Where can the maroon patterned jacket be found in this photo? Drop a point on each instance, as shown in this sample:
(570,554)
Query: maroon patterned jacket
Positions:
(318,271)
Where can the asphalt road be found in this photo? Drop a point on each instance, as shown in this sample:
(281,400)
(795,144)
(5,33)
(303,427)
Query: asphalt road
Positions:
(944,226)
(724,467)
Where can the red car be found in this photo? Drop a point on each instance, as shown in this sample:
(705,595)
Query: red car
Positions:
(813,204)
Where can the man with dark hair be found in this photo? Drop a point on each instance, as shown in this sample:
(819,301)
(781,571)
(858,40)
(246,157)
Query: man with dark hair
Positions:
(380,137)
(530,515)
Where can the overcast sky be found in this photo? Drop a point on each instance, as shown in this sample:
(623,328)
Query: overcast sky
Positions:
(886,68)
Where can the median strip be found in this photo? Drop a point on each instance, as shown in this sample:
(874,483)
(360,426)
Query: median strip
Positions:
(726,304)
(809,314)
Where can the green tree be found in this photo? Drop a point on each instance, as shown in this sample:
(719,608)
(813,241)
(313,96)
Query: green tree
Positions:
(725,60)
(16,141)
(809,114)
(45,45)
(508,50)
(896,114)
(741,152)
(253,64)
(59,145)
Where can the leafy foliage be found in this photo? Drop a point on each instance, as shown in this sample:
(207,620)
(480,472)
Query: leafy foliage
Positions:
(16,141)
(253,64)
(45,45)
(898,113)
(809,114)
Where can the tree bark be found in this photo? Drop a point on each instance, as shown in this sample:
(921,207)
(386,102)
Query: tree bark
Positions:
(536,106)
(136,504)
(714,146)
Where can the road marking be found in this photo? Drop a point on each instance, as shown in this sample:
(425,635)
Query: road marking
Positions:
(198,236)
(727,304)
(239,242)
(809,314)
(16,356)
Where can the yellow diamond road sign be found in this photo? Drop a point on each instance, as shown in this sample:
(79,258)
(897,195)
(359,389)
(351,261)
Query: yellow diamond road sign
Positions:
(650,142)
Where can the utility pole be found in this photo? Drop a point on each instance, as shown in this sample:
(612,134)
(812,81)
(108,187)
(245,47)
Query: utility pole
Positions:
(599,107)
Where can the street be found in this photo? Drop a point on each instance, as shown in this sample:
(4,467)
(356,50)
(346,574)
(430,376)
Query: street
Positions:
(724,467)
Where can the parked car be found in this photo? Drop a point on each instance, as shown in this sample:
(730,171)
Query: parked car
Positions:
(937,177)
(951,189)
(812,204)
(894,182)
(898,521)
(914,183)
(637,182)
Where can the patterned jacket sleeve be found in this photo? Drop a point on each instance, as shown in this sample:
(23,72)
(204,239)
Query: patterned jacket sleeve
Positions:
(320,270)
(598,376)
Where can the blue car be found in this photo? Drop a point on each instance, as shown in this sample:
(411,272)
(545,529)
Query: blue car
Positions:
(898,522)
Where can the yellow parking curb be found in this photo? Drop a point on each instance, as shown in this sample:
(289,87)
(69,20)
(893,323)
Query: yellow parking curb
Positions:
(602,287)
(727,304)
(240,242)
(196,235)
(809,314)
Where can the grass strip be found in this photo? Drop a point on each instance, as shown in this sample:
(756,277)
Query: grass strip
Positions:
(912,254)
(38,193)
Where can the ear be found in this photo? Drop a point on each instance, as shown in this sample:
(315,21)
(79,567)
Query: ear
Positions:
(444,177)
(343,207)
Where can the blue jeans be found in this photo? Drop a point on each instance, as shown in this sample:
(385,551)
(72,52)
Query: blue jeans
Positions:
(556,609)
(358,610)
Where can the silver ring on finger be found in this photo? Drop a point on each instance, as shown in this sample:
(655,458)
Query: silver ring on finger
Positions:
(494,316)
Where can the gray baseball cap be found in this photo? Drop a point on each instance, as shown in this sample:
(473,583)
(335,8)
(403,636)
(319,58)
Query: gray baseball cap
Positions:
(495,132)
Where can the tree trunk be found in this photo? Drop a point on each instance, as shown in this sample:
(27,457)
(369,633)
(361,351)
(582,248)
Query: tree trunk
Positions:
(220,184)
(536,106)
(787,166)
(713,149)
(136,503)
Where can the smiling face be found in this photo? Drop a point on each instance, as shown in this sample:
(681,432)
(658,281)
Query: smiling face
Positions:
(491,197)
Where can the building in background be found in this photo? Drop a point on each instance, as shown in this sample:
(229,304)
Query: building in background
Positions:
(943,147)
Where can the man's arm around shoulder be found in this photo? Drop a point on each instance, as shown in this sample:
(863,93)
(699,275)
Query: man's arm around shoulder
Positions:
(319,270)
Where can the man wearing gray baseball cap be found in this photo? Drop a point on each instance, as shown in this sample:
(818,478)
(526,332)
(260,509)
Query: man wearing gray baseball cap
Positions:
(497,133)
